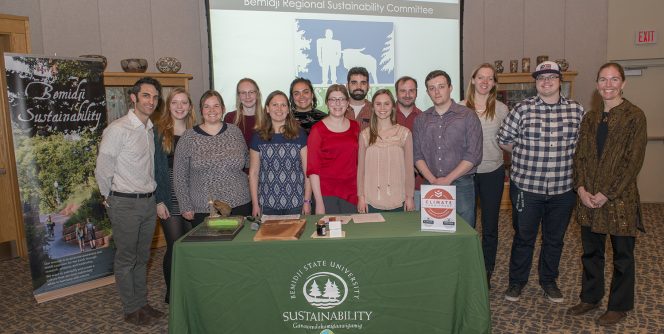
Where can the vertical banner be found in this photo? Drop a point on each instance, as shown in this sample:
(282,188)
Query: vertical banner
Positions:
(58,112)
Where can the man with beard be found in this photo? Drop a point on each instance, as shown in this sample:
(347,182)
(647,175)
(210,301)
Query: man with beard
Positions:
(406,88)
(359,108)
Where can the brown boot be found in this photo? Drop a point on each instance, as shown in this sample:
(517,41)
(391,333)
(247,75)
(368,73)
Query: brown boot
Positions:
(611,317)
(149,310)
(138,318)
(581,308)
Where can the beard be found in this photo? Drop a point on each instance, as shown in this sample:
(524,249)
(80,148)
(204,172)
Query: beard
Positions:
(358,94)
(406,105)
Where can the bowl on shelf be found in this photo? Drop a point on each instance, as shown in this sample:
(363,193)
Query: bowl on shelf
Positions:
(134,65)
(97,57)
(168,65)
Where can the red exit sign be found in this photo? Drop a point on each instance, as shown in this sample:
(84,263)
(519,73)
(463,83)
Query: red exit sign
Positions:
(646,37)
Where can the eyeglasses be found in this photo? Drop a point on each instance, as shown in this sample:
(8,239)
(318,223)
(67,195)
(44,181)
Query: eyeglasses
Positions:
(337,100)
(247,93)
(547,78)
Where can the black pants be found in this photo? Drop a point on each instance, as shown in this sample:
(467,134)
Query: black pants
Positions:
(621,295)
(174,227)
(489,188)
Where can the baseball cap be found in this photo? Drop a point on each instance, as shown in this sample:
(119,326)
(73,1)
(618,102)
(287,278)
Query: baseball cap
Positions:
(546,67)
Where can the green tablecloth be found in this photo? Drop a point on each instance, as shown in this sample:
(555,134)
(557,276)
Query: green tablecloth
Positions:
(381,278)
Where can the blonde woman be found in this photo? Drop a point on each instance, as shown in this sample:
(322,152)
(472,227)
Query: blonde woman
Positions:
(247,105)
(490,176)
(177,117)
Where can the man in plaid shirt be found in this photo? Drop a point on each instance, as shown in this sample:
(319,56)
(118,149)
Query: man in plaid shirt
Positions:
(541,132)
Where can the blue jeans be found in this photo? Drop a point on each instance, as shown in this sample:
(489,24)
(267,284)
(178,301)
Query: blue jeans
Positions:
(554,212)
(465,192)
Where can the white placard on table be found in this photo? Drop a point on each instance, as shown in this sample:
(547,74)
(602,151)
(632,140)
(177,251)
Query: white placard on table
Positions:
(438,208)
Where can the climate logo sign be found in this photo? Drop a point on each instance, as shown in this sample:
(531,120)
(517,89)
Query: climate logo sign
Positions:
(325,290)
(438,203)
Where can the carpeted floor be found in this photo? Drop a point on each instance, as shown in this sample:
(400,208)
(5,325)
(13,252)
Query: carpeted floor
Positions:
(98,310)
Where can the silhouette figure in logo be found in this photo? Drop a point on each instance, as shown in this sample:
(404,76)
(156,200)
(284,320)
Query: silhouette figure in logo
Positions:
(328,51)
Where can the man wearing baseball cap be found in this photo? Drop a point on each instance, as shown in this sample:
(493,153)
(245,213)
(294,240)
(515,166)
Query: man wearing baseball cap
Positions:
(541,133)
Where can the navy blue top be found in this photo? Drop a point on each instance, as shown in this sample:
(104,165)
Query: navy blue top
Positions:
(281,177)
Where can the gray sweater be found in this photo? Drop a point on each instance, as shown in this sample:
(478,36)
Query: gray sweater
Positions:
(211,167)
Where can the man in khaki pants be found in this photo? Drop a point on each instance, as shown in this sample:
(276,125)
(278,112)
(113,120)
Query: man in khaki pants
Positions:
(125,174)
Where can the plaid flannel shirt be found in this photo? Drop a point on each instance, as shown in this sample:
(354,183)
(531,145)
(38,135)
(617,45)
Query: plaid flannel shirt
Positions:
(544,138)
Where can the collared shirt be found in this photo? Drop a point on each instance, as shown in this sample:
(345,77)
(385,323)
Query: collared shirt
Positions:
(363,117)
(126,157)
(544,138)
(409,120)
(443,141)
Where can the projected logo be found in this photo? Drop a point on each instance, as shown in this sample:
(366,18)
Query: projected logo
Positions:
(325,50)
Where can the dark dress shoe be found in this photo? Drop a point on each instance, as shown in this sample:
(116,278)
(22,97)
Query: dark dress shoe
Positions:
(581,308)
(150,311)
(611,317)
(138,318)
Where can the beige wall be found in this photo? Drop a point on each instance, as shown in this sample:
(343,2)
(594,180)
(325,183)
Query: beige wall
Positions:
(513,29)
(120,29)
(493,29)
(625,19)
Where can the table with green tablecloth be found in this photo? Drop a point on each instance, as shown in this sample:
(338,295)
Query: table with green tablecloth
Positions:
(386,277)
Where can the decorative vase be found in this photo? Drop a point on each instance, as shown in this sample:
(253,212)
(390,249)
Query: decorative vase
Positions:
(564,65)
(525,65)
(542,58)
(168,65)
(514,66)
(134,65)
(498,64)
(98,57)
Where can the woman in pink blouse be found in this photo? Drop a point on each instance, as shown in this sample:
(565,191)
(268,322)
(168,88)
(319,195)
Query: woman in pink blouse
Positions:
(385,178)
(332,156)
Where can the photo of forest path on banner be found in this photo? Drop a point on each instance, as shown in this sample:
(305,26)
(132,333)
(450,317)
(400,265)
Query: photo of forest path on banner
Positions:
(58,112)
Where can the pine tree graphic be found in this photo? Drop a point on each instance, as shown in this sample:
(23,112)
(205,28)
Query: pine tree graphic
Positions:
(314,291)
(331,290)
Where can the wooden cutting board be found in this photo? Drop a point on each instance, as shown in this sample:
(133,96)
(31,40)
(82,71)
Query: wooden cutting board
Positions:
(282,229)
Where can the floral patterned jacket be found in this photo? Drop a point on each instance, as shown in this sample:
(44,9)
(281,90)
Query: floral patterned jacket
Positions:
(614,173)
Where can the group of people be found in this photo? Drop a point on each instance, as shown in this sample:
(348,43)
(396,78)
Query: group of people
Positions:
(284,156)
(89,232)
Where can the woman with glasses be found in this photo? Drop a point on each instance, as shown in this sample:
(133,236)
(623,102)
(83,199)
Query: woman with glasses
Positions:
(278,161)
(303,103)
(332,156)
(385,172)
(209,163)
(607,161)
(247,105)
(490,176)
(173,122)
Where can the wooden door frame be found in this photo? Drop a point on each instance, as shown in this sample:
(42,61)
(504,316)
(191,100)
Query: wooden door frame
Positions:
(6,138)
